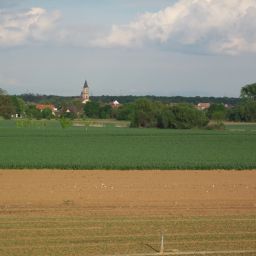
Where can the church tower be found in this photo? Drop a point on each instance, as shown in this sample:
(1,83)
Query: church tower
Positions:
(85,93)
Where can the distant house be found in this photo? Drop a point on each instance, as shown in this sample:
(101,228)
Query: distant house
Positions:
(115,104)
(203,106)
(16,116)
(228,106)
(41,107)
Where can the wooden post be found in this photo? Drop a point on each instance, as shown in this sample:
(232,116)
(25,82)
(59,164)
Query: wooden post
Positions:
(162,246)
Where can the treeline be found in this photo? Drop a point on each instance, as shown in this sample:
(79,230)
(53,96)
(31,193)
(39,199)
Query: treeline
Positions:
(245,111)
(164,99)
(59,100)
(147,113)
(141,112)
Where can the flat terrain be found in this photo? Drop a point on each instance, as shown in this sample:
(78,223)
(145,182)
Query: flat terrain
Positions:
(44,144)
(129,192)
(52,212)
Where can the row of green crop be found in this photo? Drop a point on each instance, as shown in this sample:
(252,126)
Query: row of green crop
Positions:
(124,148)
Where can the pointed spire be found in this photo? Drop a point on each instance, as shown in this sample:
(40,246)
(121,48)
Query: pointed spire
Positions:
(85,84)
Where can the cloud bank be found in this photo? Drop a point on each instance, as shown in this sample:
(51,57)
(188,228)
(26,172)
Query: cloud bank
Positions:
(216,26)
(25,26)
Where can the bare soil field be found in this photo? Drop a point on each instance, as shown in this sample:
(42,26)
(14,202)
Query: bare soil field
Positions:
(128,192)
(53,212)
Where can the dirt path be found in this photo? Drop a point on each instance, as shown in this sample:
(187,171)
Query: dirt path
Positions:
(53,192)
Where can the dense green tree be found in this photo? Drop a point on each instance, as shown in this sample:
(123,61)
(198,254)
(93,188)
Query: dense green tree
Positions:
(144,114)
(249,92)
(186,117)
(47,113)
(155,114)
(105,111)
(124,112)
(218,117)
(165,119)
(216,108)
(32,112)
(245,111)
(19,104)
(92,109)
(7,108)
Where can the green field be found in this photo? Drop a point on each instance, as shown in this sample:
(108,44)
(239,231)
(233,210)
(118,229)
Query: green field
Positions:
(47,145)
(65,236)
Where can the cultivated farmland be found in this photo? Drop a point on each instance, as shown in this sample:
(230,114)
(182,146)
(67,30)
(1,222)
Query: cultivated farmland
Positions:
(46,145)
(91,212)
(81,213)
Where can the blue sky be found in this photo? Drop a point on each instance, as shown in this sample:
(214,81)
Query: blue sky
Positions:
(126,47)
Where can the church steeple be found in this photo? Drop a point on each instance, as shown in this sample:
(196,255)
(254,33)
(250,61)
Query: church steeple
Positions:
(85,84)
(85,93)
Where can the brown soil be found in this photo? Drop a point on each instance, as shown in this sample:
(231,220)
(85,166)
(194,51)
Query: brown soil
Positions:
(56,192)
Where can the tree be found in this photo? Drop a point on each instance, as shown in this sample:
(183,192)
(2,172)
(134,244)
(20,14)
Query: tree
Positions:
(155,114)
(144,114)
(187,117)
(47,113)
(249,92)
(216,108)
(7,109)
(125,112)
(165,119)
(33,112)
(105,111)
(92,109)
(244,112)
(19,105)
(76,107)
(2,92)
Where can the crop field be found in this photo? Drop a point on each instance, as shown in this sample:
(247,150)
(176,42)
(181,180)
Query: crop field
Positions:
(46,145)
(123,235)
(63,213)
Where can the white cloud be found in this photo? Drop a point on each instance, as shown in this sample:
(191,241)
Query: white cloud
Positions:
(219,26)
(21,27)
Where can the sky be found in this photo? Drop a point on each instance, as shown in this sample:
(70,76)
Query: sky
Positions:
(128,47)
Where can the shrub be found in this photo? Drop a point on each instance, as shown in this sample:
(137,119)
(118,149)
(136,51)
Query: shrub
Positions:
(65,122)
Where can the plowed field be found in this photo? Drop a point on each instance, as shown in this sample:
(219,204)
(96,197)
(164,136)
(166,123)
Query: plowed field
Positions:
(51,212)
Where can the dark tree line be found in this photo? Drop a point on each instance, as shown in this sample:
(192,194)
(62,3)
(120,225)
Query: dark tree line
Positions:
(172,99)
(59,100)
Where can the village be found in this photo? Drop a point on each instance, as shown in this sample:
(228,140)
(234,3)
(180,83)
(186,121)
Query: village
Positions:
(77,108)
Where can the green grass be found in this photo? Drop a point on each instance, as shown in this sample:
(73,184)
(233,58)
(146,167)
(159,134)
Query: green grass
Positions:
(66,235)
(126,148)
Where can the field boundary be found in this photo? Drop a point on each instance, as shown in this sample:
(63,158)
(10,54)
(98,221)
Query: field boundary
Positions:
(186,253)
